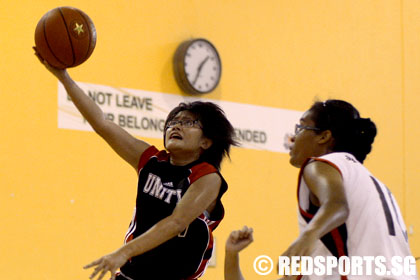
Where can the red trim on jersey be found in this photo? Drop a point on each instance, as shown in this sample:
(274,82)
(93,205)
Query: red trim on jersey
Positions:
(129,239)
(339,244)
(211,224)
(145,156)
(300,176)
(133,225)
(328,162)
(305,214)
(200,170)
(338,241)
(203,265)
(308,160)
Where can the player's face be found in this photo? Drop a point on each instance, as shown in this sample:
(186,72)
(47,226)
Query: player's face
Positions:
(184,134)
(304,142)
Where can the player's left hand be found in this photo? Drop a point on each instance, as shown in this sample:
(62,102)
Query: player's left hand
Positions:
(110,263)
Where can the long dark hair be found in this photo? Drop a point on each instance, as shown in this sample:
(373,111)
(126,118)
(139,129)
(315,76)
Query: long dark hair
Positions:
(351,133)
(216,127)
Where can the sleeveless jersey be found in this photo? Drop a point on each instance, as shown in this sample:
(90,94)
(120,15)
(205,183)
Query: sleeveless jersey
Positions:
(161,186)
(374,226)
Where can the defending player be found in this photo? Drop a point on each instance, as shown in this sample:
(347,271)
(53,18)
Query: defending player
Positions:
(179,190)
(344,209)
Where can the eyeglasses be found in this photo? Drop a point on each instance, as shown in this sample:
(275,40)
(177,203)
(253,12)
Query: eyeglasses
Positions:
(299,128)
(184,123)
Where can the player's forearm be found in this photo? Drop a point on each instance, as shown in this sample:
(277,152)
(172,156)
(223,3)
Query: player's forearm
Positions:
(329,216)
(86,106)
(232,269)
(155,236)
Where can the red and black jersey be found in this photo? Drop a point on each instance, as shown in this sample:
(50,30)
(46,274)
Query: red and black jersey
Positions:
(161,186)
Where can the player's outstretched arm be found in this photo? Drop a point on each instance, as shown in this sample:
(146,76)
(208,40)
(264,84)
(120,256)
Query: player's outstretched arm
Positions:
(236,242)
(123,143)
(199,196)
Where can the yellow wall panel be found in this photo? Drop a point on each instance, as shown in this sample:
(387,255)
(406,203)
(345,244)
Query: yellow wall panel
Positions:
(411,67)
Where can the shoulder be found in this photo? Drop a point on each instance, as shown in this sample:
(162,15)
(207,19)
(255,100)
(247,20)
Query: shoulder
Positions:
(325,181)
(202,169)
(337,160)
(316,169)
(319,170)
(149,153)
(339,157)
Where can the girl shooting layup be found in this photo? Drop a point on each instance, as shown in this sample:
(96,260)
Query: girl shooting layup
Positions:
(179,190)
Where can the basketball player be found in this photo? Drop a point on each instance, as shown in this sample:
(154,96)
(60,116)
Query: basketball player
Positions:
(344,210)
(179,190)
(236,242)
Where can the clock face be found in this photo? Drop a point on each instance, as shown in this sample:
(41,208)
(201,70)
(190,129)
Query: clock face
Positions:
(202,66)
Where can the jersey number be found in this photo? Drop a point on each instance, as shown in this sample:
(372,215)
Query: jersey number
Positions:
(387,210)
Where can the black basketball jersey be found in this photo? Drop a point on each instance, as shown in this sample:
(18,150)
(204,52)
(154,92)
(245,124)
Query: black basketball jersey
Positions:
(161,186)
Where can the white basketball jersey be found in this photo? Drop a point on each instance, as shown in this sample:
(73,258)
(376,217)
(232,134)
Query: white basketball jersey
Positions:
(374,226)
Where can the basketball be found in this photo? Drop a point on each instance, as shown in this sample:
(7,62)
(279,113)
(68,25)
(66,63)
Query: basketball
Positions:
(65,37)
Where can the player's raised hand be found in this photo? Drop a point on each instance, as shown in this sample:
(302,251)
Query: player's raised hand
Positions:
(239,239)
(59,73)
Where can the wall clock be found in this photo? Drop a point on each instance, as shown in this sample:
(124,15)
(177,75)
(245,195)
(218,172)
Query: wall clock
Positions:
(197,66)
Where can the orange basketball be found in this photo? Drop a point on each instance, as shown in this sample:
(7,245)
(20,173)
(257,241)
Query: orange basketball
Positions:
(65,37)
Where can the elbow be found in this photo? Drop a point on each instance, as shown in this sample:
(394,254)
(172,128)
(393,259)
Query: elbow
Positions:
(345,213)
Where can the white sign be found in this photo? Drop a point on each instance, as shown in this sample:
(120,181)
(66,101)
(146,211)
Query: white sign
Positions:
(143,113)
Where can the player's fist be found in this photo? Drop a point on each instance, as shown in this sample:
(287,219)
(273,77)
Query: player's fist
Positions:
(239,239)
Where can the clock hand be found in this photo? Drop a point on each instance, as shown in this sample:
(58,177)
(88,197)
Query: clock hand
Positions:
(199,69)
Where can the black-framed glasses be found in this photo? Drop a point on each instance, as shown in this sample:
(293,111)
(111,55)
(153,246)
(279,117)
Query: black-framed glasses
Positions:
(184,123)
(299,128)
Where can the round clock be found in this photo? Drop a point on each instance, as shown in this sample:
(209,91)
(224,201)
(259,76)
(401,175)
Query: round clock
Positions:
(197,66)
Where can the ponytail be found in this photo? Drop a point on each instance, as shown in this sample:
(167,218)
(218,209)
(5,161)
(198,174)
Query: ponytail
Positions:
(351,133)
